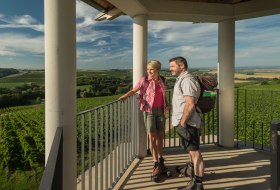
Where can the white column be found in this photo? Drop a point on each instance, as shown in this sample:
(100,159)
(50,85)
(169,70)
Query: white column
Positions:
(60,82)
(140,30)
(226,52)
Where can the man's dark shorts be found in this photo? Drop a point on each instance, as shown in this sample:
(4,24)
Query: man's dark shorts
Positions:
(189,137)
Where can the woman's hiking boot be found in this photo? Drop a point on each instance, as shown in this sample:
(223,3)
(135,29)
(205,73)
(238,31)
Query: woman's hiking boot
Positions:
(187,170)
(156,172)
(163,168)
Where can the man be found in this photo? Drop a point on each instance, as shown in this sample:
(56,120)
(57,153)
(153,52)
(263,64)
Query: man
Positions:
(187,119)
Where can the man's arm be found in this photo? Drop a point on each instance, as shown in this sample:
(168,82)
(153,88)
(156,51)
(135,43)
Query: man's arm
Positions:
(188,110)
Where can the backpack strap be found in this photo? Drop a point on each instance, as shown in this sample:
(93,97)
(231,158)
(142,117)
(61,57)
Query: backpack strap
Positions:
(180,84)
(201,91)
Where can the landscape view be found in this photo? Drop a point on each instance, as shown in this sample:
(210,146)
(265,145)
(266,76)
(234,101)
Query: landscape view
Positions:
(22,111)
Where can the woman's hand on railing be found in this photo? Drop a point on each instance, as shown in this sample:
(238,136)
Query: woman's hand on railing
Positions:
(128,94)
(122,98)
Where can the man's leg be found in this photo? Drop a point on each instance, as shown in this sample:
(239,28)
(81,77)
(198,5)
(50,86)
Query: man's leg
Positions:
(192,144)
(198,163)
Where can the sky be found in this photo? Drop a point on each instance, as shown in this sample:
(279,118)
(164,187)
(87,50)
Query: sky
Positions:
(108,44)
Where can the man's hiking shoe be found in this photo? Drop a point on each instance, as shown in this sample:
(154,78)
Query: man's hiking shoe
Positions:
(156,172)
(163,168)
(187,170)
(192,185)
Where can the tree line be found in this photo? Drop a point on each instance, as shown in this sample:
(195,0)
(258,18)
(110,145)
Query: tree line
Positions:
(88,85)
(22,95)
(7,72)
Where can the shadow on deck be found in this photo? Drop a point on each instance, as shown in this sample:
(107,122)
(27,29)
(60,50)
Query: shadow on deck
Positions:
(225,168)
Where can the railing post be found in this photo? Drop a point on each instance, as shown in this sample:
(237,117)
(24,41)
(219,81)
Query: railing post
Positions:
(275,155)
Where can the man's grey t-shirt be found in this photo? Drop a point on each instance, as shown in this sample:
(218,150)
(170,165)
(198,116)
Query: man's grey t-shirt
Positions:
(189,85)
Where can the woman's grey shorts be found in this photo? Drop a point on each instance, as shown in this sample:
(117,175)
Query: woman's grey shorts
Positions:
(155,120)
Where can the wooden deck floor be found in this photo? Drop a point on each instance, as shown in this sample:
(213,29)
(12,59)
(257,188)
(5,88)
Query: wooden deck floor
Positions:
(225,168)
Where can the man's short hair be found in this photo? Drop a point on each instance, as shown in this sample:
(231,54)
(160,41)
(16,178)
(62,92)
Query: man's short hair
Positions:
(180,61)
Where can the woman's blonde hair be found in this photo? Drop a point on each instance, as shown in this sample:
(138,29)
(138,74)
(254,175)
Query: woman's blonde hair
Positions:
(155,64)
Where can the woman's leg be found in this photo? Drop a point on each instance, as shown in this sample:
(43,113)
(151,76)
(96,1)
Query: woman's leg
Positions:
(153,145)
(159,142)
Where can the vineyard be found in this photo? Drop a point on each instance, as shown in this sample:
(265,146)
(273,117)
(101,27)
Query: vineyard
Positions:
(22,144)
(22,131)
(254,111)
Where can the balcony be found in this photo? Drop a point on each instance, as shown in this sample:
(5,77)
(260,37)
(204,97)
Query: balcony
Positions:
(113,136)
(117,149)
(226,168)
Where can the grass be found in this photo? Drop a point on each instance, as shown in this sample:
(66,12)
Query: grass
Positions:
(30,179)
(271,85)
(23,180)
(11,84)
(24,78)
(111,73)
(82,87)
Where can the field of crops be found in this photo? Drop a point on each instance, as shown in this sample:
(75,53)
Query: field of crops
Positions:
(22,143)
(254,111)
(22,128)
(22,78)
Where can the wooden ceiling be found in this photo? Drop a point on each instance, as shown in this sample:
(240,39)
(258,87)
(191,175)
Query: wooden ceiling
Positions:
(213,11)
(218,1)
(104,5)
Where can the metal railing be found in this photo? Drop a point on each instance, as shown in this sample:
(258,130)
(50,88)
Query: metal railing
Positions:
(107,143)
(52,176)
(107,140)
(254,111)
(108,136)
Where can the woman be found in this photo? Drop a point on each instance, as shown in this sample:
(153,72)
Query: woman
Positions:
(153,103)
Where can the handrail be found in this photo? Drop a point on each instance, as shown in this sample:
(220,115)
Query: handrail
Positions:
(96,108)
(106,143)
(52,176)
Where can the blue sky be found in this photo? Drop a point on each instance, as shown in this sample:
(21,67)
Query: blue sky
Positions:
(108,44)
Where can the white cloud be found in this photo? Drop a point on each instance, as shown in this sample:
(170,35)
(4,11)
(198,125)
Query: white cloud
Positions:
(257,39)
(21,21)
(24,20)
(39,28)
(84,10)
(102,43)
(178,31)
(14,44)
(4,52)
(85,15)
(108,44)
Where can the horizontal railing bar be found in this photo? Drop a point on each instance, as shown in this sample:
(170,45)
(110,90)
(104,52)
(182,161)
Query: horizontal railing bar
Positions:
(96,108)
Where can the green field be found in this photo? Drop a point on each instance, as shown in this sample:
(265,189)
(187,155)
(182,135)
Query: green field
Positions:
(38,77)
(22,143)
(22,127)
(24,77)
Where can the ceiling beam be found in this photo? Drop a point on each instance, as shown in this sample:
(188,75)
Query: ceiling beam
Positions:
(194,11)
(130,7)
(256,8)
